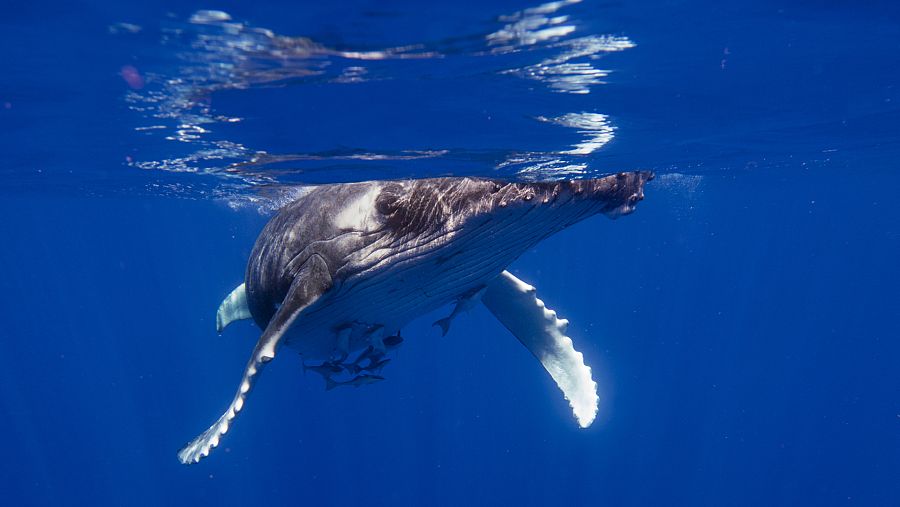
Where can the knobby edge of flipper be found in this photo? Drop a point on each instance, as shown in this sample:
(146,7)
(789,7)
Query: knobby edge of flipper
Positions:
(515,304)
(310,284)
(234,307)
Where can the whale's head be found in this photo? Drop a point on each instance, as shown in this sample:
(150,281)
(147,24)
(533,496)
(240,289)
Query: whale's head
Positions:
(449,232)
(435,207)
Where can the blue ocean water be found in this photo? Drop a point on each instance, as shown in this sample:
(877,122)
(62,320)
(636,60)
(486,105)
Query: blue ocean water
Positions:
(742,324)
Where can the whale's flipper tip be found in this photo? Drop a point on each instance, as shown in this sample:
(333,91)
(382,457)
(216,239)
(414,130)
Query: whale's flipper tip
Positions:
(312,281)
(199,448)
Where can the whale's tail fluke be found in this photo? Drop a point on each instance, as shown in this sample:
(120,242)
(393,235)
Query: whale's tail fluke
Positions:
(234,307)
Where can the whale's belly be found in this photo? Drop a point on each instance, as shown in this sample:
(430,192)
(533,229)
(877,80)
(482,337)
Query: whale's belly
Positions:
(351,316)
(377,302)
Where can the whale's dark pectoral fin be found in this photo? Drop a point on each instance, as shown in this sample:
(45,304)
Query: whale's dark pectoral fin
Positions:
(313,281)
(516,306)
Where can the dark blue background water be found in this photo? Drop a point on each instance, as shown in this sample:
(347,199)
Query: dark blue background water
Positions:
(742,325)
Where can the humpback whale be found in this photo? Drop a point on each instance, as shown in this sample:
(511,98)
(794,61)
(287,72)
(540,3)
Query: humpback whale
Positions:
(337,273)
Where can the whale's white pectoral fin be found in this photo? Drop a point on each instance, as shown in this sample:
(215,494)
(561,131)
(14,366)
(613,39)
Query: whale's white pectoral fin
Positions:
(234,307)
(312,281)
(516,306)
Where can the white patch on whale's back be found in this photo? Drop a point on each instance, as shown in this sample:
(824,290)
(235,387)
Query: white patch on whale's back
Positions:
(359,214)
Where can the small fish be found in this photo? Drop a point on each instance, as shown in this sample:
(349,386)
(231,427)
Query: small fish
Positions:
(463,304)
(368,354)
(375,365)
(392,342)
(326,369)
(359,380)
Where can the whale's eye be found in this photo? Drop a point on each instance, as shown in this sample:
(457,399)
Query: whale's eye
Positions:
(387,201)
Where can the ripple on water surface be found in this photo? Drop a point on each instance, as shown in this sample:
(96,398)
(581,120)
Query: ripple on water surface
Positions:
(509,102)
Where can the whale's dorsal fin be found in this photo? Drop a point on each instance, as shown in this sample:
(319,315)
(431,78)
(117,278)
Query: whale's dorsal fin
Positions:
(516,306)
(234,307)
(311,282)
